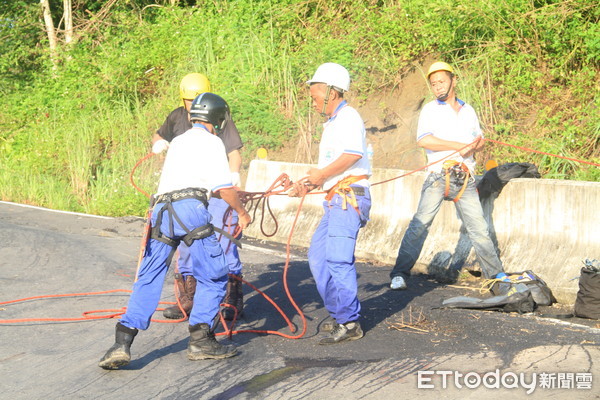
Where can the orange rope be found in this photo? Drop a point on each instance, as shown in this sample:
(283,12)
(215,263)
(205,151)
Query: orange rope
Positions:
(85,314)
(228,330)
(137,164)
(282,181)
(543,152)
(255,199)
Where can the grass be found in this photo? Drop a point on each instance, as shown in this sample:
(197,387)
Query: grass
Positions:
(72,141)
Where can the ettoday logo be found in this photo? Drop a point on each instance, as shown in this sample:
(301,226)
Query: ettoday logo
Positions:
(505,380)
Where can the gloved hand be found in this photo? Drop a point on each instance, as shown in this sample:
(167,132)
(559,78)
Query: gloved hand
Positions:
(235,179)
(159,146)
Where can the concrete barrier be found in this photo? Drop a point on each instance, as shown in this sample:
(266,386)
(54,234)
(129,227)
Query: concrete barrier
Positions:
(548,226)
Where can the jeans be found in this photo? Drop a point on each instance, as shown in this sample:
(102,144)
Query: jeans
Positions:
(469,211)
(331,256)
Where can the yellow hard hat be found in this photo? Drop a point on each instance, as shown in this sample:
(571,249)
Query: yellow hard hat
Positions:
(439,66)
(192,85)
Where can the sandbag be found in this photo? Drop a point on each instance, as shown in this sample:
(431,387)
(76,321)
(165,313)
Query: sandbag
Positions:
(587,304)
(517,299)
(541,293)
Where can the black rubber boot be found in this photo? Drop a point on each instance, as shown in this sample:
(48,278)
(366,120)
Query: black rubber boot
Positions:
(204,346)
(234,297)
(119,354)
(187,289)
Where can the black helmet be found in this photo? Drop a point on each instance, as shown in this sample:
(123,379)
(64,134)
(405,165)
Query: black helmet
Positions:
(209,107)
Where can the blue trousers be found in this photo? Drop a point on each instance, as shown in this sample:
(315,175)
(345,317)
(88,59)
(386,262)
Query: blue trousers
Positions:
(331,256)
(208,263)
(216,208)
(469,211)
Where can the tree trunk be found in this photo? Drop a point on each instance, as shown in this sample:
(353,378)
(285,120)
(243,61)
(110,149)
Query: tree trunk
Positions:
(68,16)
(50,30)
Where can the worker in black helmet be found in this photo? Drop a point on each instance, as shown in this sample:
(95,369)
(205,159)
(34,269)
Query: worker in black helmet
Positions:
(195,166)
(178,122)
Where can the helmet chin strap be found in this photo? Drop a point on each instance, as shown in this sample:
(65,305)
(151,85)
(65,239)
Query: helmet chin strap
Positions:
(444,97)
(325,101)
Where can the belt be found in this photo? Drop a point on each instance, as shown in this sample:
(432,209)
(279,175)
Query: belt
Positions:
(358,190)
(188,193)
(347,192)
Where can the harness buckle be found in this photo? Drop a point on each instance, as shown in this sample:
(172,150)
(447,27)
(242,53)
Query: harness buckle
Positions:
(347,192)
(200,232)
(460,173)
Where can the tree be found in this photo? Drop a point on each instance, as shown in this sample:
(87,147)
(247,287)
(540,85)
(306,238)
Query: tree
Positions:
(50,31)
(67,34)
(68,15)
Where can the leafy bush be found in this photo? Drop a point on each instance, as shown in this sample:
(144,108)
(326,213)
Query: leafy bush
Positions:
(70,135)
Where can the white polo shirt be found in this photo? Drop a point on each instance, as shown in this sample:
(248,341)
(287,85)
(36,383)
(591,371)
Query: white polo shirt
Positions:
(439,119)
(344,133)
(195,159)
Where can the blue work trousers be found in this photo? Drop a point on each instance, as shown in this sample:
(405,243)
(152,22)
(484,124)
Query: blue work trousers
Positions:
(208,263)
(217,208)
(331,256)
(469,211)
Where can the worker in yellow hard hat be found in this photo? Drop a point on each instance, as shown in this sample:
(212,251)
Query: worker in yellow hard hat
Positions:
(177,123)
(449,131)
(442,92)
(178,120)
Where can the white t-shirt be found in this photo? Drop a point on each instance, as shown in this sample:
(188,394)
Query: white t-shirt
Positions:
(195,159)
(440,120)
(344,133)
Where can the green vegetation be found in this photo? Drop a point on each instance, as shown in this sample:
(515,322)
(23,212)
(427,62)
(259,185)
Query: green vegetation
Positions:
(74,122)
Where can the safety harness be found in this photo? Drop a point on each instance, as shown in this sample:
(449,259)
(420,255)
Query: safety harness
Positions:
(347,192)
(459,172)
(198,233)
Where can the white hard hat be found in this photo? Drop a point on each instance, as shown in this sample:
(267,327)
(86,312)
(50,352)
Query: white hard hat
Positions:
(332,74)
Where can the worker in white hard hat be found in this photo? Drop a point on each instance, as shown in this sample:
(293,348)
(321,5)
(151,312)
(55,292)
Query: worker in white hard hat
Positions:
(448,130)
(343,171)
(178,122)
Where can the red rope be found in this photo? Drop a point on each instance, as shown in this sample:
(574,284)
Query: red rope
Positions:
(230,332)
(425,166)
(284,183)
(255,199)
(542,152)
(137,164)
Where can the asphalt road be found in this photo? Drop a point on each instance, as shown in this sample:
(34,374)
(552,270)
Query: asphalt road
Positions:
(411,348)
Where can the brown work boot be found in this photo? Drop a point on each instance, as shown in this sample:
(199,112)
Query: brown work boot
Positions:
(186,285)
(234,297)
(203,344)
(328,326)
(343,332)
